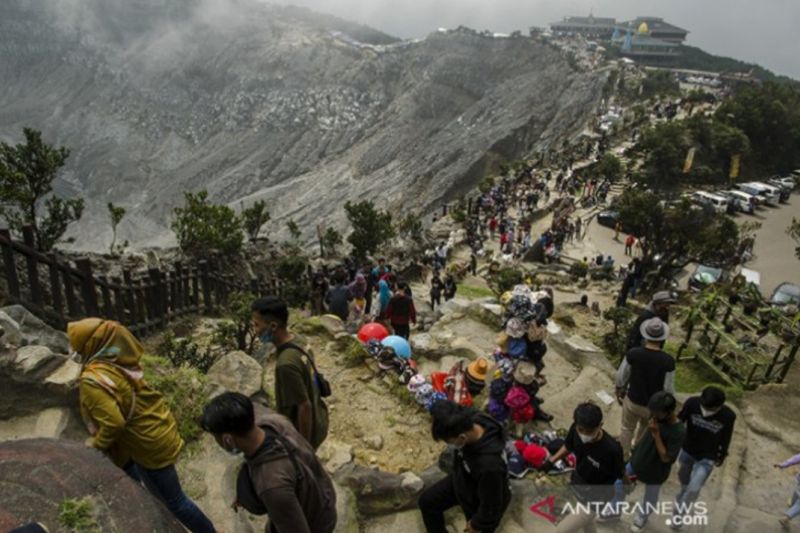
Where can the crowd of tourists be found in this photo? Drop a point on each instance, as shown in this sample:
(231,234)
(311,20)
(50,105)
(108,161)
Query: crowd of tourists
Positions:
(282,476)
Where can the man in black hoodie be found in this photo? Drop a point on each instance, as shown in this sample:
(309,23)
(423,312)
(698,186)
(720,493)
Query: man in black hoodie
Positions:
(479,479)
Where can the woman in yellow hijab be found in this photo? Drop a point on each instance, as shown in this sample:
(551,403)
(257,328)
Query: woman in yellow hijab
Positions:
(126,418)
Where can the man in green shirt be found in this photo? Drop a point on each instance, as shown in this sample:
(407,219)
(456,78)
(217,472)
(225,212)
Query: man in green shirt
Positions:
(297,394)
(654,455)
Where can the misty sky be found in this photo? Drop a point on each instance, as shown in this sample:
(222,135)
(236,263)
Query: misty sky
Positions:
(766,32)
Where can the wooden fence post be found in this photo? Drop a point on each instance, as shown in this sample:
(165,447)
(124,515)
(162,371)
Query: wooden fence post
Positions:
(119,302)
(33,268)
(10,266)
(55,287)
(69,292)
(156,296)
(206,281)
(108,309)
(88,287)
(129,294)
(195,301)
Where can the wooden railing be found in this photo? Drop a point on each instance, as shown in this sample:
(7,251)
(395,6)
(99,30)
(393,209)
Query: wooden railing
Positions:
(59,290)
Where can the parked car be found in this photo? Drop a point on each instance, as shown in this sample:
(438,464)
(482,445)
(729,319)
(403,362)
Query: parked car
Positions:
(704,276)
(608,218)
(712,201)
(767,194)
(786,294)
(783,196)
(744,202)
(786,183)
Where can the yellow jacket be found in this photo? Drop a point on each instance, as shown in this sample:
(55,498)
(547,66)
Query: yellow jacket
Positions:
(126,418)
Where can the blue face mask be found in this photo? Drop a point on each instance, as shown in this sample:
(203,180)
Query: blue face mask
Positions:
(266,337)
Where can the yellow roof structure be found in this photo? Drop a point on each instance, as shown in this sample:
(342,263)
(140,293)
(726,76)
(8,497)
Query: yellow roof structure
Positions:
(643,28)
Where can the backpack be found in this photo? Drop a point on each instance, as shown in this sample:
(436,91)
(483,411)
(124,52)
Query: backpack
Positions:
(323,385)
(517,397)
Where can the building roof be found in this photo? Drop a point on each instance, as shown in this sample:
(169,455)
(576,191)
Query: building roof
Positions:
(589,22)
(654,24)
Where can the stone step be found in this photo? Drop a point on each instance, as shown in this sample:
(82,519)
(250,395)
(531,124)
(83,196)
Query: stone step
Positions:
(49,423)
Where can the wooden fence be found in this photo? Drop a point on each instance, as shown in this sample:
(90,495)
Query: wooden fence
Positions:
(59,290)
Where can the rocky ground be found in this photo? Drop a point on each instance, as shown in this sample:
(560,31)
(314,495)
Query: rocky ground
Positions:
(380,451)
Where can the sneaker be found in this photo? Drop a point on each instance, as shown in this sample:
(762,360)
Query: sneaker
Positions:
(603,518)
(639,523)
(785,523)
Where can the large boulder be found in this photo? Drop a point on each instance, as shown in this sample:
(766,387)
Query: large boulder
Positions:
(30,330)
(235,372)
(379,493)
(38,475)
(335,455)
(33,378)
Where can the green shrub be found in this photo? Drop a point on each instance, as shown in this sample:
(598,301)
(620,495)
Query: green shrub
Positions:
(181,352)
(579,270)
(77,516)
(616,342)
(291,268)
(201,225)
(506,279)
(235,332)
(184,389)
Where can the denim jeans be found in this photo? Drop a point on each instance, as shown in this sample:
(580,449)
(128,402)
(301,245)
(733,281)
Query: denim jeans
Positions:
(165,485)
(692,474)
(794,508)
(651,493)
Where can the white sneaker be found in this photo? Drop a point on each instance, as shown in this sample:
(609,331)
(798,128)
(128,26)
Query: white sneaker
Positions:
(639,523)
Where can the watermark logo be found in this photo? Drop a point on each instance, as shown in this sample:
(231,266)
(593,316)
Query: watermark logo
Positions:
(549,515)
(676,514)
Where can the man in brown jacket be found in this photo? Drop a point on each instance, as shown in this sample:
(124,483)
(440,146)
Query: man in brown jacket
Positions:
(281,476)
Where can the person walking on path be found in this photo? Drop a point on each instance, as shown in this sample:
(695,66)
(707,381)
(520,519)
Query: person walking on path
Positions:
(127,419)
(401,312)
(655,454)
(436,290)
(709,428)
(281,475)
(617,229)
(629,242)
(578,229)
(644,371)
(658,307)
(598,465)
(479,480)
(298,396)
(339,297)
(794,506)
(450,287)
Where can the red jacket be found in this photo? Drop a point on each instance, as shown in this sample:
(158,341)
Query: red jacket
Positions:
(401,310)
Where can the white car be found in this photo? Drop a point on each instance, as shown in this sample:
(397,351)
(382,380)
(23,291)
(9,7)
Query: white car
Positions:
(743,202)
(767,194)
(713,201)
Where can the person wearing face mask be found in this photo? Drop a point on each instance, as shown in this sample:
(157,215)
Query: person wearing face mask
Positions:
(479,479)
(598,465)
(127,419)
(654,455)
(297,393)
(281,476)
(709,427)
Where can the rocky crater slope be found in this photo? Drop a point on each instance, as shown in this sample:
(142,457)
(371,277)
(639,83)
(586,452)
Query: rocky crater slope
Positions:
(256,101)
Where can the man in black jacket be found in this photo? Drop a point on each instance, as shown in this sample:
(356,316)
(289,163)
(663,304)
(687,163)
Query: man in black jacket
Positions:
(658,307)
(709,428)
(479,480)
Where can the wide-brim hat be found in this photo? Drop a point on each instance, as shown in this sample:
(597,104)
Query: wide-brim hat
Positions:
(654,330)
(664,297)
(478,369)
(525,373)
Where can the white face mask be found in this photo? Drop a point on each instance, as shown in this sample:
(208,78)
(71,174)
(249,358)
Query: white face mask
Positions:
(708,412)
(586,439)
